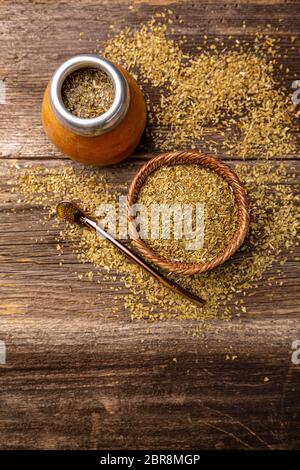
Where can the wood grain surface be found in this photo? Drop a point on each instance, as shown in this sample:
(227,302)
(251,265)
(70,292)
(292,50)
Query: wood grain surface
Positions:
(78,376)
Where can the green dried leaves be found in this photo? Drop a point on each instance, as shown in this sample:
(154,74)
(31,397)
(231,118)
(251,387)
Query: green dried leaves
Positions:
(87,93)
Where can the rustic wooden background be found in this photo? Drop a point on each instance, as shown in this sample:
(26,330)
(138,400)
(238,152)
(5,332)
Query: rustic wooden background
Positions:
(78,376)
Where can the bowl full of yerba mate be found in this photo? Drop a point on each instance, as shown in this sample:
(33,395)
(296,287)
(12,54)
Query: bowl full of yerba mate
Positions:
(188,179)
(93,110)
(87,92)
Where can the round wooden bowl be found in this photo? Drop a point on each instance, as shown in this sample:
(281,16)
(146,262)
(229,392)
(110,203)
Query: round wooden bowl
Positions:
(182,158)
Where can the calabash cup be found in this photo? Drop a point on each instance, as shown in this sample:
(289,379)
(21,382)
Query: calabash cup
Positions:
(103,140)
(188,158)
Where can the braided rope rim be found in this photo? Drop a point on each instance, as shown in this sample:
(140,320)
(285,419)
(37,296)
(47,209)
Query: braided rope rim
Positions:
(181,158)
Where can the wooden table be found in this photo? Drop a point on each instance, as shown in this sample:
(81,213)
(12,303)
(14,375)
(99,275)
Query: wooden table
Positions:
(78,376)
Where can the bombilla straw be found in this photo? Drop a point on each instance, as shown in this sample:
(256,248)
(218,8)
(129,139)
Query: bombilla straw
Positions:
(70,212)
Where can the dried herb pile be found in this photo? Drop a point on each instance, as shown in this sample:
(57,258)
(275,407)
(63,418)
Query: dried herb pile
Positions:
(87,93)
(274,224)
(191,184)
(223,99)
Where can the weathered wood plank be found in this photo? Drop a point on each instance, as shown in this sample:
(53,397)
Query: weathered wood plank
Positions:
(30,258)
(78,375)
(36,38)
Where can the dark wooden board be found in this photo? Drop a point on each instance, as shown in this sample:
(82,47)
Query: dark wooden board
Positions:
(79,376)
